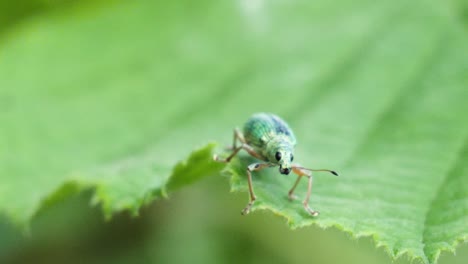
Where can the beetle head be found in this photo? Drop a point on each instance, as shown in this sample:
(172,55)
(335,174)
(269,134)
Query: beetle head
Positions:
(283,156)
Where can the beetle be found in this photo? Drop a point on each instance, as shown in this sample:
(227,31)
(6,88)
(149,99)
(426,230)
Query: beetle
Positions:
(269,138)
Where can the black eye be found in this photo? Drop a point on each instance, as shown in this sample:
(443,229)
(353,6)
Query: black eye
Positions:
(278,156)
(292,157)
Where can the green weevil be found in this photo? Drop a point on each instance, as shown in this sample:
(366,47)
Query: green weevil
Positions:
(269,138)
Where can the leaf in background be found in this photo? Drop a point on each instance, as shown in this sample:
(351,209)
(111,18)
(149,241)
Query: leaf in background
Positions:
(113,98)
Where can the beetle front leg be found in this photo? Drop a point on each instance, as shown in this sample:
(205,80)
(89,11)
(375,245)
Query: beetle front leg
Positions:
(291,194)
(300,172)
(250,168)
(306,200)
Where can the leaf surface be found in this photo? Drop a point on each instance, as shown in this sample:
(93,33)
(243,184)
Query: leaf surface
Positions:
(113,98)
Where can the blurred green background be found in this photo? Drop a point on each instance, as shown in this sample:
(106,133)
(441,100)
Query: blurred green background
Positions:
(199,224)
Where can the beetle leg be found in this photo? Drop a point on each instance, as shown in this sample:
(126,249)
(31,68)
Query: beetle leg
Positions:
(300,172)
(252,152)
(237,135)
(250,168)
(306,200)
(226,160)
(244,146)
(291,194)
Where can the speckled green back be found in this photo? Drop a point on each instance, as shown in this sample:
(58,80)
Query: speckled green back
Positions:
(263,127)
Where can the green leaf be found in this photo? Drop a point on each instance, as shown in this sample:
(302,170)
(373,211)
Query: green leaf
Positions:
(113,98)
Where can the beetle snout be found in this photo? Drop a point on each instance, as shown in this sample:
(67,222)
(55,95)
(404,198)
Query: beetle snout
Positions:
(285,171)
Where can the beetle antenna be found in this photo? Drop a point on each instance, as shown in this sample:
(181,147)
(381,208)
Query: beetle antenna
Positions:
(330,171)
